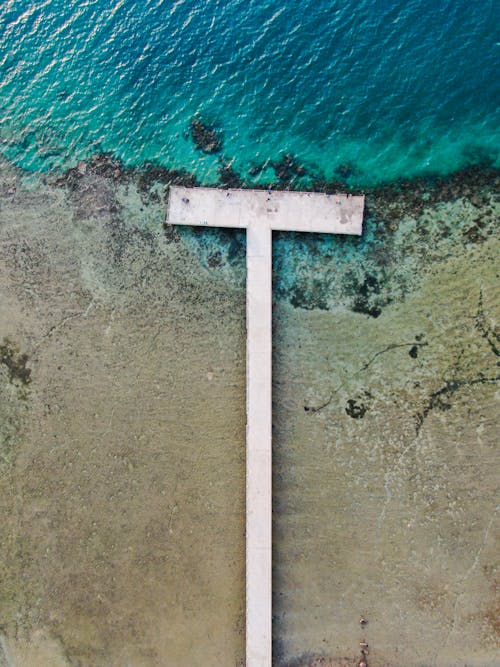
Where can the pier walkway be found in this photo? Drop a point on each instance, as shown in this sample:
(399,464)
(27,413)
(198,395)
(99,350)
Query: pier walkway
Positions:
(260,212)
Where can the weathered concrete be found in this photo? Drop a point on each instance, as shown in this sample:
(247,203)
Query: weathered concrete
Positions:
(279,210)
(260,212)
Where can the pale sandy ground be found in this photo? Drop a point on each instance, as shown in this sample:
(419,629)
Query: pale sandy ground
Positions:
(122,460)
(393,515)
(123,485)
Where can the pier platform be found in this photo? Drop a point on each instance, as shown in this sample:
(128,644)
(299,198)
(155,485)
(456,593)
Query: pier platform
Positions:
(277,209)
(260,212)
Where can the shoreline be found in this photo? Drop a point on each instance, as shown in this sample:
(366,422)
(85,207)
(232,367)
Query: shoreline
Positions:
(408,225)
(290,174)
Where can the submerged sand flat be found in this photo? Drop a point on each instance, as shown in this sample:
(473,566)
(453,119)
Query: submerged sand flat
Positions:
(122,484)
(122,437)
(386,476)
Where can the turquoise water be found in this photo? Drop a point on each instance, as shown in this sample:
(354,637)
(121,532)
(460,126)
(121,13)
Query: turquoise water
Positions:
(380,88)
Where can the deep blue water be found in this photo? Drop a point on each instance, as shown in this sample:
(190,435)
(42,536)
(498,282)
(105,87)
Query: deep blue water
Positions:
(388,87)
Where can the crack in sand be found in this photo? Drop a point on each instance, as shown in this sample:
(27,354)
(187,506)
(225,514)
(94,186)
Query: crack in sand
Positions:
(63,322)
(388,348)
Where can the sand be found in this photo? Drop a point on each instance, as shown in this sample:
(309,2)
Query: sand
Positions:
(122,437)
(123,477)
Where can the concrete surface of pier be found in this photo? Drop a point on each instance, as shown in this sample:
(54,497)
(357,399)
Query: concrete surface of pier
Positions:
(261,211)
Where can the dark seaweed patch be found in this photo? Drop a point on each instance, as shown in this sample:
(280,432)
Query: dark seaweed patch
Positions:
(366,300)
(152,174)
(215,259)
(347,170)
(413,351)
(309,297)
(355,410)
(228,177)
(205,136)
(288,169)
(15,362)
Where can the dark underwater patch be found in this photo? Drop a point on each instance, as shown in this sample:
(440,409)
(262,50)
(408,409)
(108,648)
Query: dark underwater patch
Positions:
(205,137)
(378,254)
(15,362)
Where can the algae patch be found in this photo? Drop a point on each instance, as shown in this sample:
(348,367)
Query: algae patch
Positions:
(15,362)
(15,378)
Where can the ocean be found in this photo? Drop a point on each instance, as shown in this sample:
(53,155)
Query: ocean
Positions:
(367,92)
(122,339)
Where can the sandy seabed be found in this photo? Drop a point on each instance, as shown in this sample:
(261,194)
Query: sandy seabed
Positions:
(122,439)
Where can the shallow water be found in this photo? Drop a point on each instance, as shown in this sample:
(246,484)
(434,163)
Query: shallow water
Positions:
(123,449)
(122,435)
(122,342)
(385,476)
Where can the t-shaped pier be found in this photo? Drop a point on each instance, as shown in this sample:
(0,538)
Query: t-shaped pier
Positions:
(259,212)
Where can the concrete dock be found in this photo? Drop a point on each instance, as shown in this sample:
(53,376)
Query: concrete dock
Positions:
(260,212)
(278,210)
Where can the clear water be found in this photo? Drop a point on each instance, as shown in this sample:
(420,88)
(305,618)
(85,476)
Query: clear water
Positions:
(389,88)
(122,482)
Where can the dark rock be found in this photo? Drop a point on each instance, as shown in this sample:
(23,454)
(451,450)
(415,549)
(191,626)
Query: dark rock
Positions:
(355,410)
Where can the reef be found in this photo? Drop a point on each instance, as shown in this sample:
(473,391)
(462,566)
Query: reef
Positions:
(228,177)
(403,225)
(205,136)
(109,167)
(288,170)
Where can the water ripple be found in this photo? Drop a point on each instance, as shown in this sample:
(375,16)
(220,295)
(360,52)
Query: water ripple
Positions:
(390,88)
